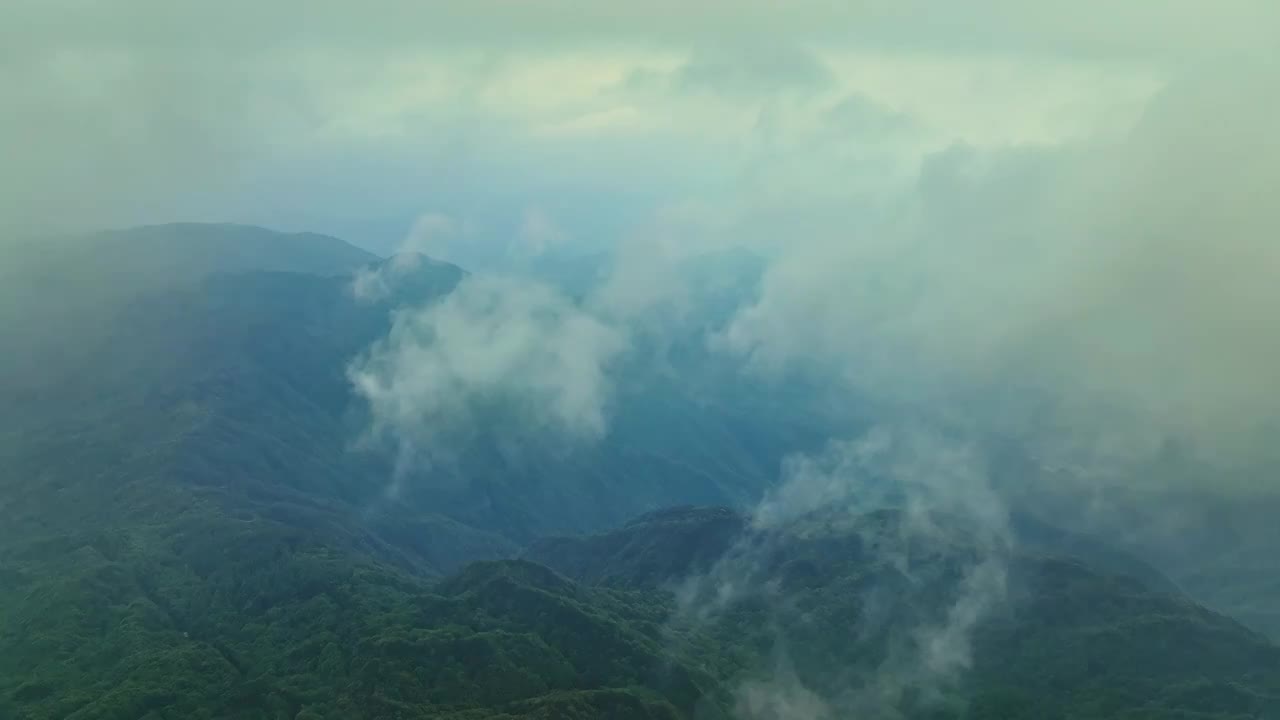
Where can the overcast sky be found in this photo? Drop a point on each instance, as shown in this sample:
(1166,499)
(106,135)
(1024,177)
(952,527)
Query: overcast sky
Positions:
(1076,195)
(358,118)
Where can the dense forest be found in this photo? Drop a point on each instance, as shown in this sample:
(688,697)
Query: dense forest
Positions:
(248,620)
(188,530)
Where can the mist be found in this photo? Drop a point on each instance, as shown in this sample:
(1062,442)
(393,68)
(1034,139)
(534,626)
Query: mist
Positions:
(1132,276)
(1087,219)
(495,352)
(1047,228)
(916,513)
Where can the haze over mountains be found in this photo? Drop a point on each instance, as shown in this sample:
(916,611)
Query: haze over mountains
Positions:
(202,342)
(548,359)
(210,511)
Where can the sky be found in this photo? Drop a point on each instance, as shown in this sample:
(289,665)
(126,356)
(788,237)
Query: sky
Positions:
(1067,198)
(358,120)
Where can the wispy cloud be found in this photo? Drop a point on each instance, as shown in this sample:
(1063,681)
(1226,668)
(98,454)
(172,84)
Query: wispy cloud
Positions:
(906,503)
(507,356)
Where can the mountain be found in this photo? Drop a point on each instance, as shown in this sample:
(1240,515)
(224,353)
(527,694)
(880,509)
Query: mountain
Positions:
(284,628)
(847,598)
(1215,543)
(654,549)
(231,376)
(189,529)
(1208,525)
(158,255)
(65,299)
(177,429)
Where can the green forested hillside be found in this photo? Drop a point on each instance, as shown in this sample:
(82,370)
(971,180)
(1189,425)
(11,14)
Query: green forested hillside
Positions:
(177,449)
(267,624)
(847,598)
(280,629)
(65,299)
(187,530)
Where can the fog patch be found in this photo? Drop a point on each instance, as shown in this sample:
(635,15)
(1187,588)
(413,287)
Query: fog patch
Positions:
(905,532)
(513,355)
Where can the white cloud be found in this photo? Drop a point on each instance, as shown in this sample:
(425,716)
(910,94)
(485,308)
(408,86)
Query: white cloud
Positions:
(1135,272)
(940,504)
(511,355)
(431,239)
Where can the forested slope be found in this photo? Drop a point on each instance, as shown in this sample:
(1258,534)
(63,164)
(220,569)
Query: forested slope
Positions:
(188,529)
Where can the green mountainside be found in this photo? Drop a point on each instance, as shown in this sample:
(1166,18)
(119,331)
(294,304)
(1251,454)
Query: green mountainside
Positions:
(187,530)
(847,598)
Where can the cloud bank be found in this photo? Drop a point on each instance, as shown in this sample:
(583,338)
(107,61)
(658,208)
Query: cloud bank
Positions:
(1134,273)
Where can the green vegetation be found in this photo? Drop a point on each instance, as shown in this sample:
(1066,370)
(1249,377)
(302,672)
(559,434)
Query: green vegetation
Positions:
(848,598)
(187,532)
(276,629)
(202,616)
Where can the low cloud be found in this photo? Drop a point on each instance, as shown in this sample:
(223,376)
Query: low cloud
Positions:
(1124,281)
(510,356)
(928,532)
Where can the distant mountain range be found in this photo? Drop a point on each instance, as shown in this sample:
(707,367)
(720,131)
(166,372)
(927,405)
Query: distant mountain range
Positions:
(188,529)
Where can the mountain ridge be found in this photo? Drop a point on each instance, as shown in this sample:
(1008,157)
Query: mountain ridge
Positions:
(188,530)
